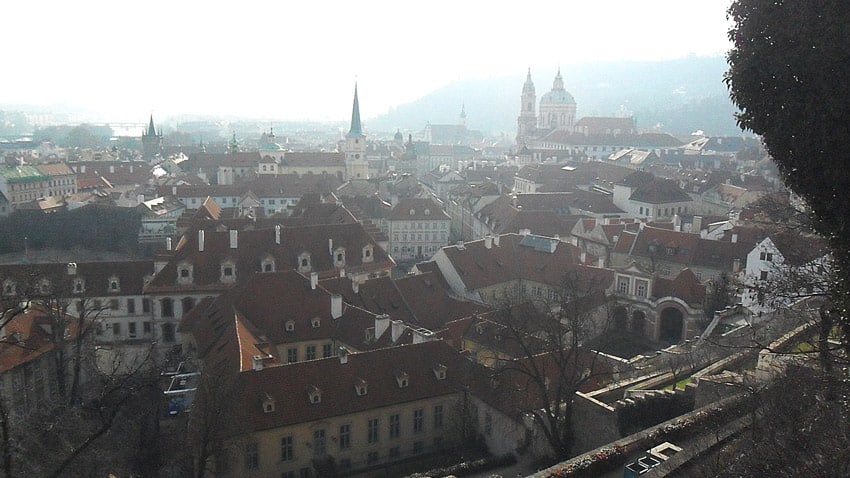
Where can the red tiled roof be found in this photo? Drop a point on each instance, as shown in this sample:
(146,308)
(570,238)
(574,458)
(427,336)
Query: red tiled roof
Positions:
(255,245)
(685,286)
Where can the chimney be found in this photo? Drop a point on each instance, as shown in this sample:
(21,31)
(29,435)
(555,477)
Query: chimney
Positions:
(488,241)
(525,232)
(342,273)
(257,361)
(342,353)
(336,306)
(201,240)
(355,286)
(131,167)
(173,190)
(277,234)
(600,263)
(382,323)
(496,240)
(234,236)
(111,169)
(83,168)
(397,330)
(331,247)
(582,257)
(460,245)
(734,237)
(697,225)
(167,243)
(422,335)
(557,237)
(314,280)
(736,265)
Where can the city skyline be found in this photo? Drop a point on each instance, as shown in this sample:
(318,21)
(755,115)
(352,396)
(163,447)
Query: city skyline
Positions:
(301,62)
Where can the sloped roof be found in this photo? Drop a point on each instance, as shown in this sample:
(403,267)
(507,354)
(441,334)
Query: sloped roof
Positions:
(417,209)
(480,267)
(684,286)
(254,245)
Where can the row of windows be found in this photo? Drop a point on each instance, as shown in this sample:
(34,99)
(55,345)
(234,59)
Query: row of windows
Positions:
(667,211)
(424,225)
(319,444)
(310,352)
(442,237)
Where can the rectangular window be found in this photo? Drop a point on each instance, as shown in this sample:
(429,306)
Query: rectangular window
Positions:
(319,443)
(132,331)
(305,472)
(146,305)
(146,328)
(252,456)
(113,304)
(311,352)
(763,275)
(291,355)
(344,437)
(116,329)
(288,474)
(418,420)
(395,452)
(395,426)
(438,416)
(418,447)
(286,448)
(372,458)
(373,430)
(488,424)
(326,351)
(623,285)
(131,306)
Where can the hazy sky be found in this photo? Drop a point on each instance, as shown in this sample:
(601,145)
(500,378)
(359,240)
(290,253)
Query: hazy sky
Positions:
(299,60)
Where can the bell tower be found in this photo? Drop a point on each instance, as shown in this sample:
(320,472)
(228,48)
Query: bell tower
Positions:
(356,166)
(527,120)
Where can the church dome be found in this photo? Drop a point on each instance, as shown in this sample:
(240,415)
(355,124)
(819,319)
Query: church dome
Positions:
(269,146)
(557,97)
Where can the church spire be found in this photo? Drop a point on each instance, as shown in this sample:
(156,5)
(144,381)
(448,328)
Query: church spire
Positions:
(356,130)
(151,129)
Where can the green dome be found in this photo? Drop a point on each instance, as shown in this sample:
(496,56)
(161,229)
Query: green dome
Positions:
(557,97)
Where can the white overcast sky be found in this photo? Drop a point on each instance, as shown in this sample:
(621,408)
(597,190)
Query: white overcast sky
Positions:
(300,59)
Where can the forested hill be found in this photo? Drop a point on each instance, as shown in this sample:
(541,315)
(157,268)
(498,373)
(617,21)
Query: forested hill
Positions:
(677,96)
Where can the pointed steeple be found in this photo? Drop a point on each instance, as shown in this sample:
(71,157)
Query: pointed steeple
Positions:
(151,129)
(528,87)
(356,130)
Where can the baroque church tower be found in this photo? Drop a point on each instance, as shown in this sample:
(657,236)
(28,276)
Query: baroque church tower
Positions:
(356,166)
(527,120)
(557,108)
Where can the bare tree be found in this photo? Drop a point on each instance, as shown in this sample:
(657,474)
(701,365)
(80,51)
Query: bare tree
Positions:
(550,363)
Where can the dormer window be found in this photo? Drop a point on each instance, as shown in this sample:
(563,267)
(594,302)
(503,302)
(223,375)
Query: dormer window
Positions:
(79,286)
(339,257)
(314,394)
(361,387)
(8,287)
(304,264)
(184,273)
(316,323)
(402,378)
(412,212)
(368,253)
(427,212)
(44,287)
(267,264)
(228,272)
(114,284)
(290,326)
(268,404)
(440,371)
